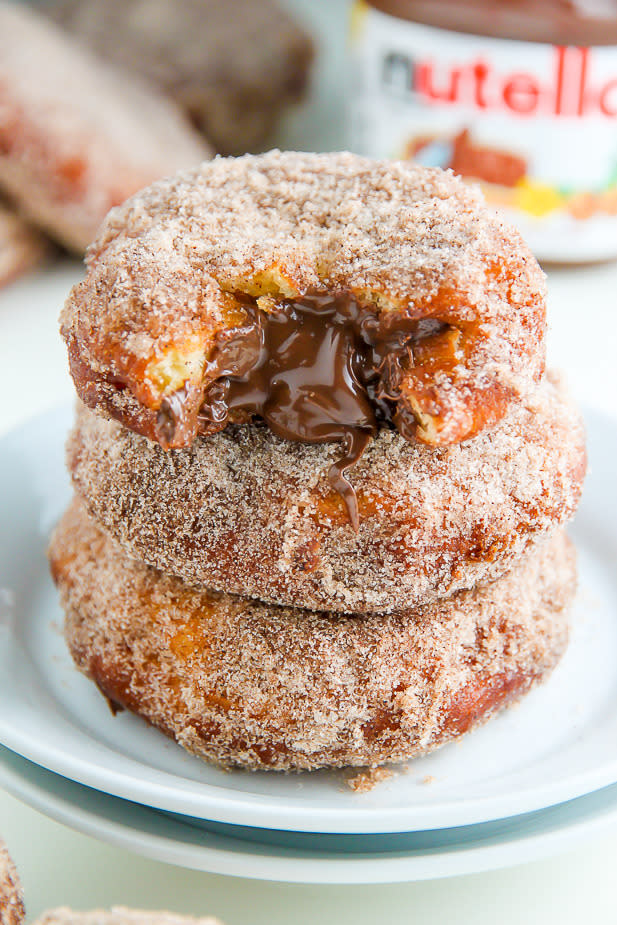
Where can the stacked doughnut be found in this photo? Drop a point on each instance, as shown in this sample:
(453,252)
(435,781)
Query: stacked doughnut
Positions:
(321,476)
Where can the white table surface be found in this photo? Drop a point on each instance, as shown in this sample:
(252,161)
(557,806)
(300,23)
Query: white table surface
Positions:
(59,866)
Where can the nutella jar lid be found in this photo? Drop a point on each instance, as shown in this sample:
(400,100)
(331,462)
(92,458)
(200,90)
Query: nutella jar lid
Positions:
(558,22)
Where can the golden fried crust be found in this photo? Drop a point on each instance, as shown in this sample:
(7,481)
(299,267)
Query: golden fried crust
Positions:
(166,271)
(11,897)
(76,135)
(231,66)
(247,684)
(248,513)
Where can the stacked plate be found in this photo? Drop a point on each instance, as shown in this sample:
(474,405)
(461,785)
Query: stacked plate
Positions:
(529,782)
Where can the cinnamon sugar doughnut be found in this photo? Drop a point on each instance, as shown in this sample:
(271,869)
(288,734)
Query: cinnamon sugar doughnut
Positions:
(77,136)
(12,909)
(233,67)
(246,512)
(323,293)
(247,684)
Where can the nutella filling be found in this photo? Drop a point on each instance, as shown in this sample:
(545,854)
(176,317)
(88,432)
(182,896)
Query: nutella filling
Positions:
(317,369)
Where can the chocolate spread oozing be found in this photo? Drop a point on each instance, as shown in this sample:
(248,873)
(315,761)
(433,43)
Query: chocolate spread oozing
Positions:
(317,369)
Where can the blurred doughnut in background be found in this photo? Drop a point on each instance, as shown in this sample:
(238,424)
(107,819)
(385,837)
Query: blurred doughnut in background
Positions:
(21,246)
(233,67)
(116,94)
(78,136)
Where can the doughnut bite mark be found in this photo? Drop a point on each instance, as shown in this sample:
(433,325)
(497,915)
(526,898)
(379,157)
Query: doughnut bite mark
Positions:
(394,280)
(246,684)
(246,512)
(12,910)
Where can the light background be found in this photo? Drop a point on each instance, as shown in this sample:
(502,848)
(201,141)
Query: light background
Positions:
(59,866)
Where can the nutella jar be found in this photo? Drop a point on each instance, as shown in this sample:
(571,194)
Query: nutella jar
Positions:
(519,96)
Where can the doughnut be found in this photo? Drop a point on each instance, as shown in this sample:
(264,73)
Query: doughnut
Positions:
(77,136)
(246,684)
(326,294)
(21,247)
(12,910)
(233,67)
(119,915)
(246,512)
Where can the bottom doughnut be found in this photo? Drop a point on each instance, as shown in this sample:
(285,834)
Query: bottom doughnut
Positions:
(241,683)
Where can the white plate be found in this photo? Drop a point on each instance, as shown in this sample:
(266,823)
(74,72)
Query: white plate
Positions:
(561,742)
(426,855)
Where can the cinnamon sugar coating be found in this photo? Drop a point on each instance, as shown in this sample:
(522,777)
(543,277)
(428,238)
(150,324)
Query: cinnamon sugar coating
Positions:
(119,915)
(249,513)
(167,271)
(231,66)
(246,684)
(11,896)
(76,135)
(21,246)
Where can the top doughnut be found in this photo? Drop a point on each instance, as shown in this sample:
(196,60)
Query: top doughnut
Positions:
(321,292)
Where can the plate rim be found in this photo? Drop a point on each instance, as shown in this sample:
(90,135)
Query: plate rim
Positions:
(280,863)
(233,806)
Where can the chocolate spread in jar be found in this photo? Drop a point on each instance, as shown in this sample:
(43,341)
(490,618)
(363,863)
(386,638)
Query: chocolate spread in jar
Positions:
(557,22)
(318,369)
(520,96)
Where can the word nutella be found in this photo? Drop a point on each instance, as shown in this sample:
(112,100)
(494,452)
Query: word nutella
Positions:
(479,83)
(519,97)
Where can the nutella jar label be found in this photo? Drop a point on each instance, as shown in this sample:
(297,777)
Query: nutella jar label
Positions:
(534,124)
